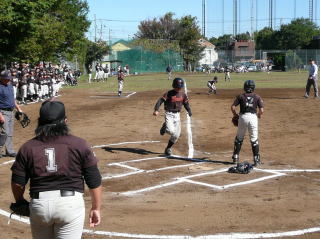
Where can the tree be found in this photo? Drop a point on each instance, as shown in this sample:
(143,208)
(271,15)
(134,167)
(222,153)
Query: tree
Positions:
(41,30)
(167,33)
(189,37)
(95,51)
(158,35)
(222,42)
(265,39)
(243,36)
(297,35)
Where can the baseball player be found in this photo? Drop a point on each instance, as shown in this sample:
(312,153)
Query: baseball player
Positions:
(57,165)
(120,81)
(248,119)
(211,85)
(173,101)
(227,74)
(312,80)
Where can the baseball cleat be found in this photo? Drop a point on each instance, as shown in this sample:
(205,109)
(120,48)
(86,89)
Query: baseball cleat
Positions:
(256,160)
(163,129)
(168,152)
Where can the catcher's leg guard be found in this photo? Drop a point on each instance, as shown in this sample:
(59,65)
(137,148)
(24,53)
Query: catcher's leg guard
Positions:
(236,150)
(255,151)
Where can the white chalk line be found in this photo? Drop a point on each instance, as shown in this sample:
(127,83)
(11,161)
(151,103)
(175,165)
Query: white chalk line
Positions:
(7,162)
(122,143)
(139,171)
(137,160)
(243,235)
(113,95)
(186,179)
(189,129)
(131,94)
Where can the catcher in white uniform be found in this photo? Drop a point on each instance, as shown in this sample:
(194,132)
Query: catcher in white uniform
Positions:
(248,119)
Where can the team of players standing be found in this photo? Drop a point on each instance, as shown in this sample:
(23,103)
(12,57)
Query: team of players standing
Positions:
(31,84)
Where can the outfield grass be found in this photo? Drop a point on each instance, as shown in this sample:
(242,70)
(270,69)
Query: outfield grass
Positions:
(156,81)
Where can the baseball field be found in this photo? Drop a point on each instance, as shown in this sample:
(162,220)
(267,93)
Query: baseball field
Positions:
(147,195)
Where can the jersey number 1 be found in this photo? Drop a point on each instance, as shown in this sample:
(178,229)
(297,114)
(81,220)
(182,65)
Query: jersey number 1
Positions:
(50,153)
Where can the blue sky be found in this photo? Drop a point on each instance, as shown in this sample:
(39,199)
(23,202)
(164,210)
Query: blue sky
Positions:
(119,19)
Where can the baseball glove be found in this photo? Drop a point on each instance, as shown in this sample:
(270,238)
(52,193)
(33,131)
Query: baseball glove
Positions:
(242,168)
(22,118)
(20,208)
(235,120)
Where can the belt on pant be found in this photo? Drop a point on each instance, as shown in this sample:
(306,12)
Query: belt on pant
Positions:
(7,109)
(63,193)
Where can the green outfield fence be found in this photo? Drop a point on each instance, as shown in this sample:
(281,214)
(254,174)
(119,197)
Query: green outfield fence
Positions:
(140,60)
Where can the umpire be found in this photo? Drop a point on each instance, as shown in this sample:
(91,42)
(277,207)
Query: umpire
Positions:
(7,105)
(312,80)
(57,164)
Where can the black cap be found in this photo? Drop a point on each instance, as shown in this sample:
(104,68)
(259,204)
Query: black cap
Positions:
(5,75)
(52,112)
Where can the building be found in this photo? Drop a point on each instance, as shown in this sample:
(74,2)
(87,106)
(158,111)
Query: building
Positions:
(243,50)
(209,53)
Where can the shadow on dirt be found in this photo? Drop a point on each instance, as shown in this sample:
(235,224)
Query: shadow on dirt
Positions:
(204,159)
(129,150)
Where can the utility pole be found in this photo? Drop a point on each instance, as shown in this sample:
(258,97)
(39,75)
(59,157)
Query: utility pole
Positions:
(270,14)
(295,9)
(95,28)
(311,10)
(222,17)
(204,18)
(235,18)
(252,3)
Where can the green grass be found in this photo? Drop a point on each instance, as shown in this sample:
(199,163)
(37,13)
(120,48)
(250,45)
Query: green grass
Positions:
(199,80)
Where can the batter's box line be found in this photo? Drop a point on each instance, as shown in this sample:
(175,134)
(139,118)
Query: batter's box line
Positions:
(113,95)
(213,186)
(138,170)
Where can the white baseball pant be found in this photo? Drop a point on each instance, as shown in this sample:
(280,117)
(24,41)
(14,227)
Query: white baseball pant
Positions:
(173,125)
(248,121)
(56,217)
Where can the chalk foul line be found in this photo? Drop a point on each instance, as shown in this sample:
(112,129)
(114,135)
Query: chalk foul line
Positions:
(244,235)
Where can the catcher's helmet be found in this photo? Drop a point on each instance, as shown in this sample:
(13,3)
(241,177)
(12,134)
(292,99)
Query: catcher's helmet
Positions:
(178,83)
(249,86)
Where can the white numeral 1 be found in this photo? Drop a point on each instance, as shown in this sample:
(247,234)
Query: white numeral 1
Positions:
(50,153)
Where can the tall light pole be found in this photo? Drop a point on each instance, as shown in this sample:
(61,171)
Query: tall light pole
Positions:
(204,18)
(235,17)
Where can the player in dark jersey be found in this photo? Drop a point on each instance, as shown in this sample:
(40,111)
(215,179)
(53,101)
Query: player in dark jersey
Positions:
(212,85)
(57,164)
(248,119)
(173,101)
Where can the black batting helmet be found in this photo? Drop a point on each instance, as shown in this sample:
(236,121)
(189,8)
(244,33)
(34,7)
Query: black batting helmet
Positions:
(178,83)
(249,86)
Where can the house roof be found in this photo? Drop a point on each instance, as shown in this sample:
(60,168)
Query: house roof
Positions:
(206,43)
(120,45)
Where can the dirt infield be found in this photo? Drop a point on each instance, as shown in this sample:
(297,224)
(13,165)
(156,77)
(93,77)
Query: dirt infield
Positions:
(147,195)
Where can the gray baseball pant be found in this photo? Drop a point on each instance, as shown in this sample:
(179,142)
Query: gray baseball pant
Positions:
(312,82)
(8,127)
(56,217)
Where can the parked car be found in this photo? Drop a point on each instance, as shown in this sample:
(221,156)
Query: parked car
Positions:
(252,67)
